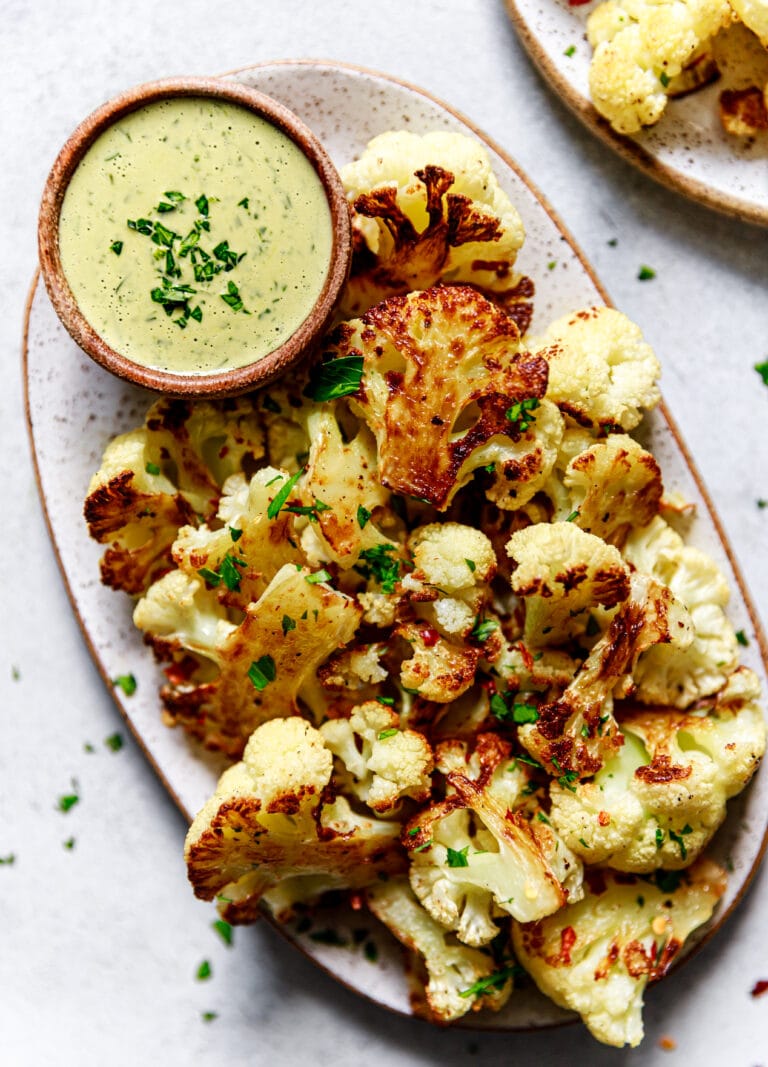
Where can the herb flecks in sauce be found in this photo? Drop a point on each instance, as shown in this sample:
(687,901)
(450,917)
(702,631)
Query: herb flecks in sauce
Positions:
(169,261)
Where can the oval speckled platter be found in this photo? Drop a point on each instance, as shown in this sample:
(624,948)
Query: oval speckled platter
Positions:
(74,407)
(687,150)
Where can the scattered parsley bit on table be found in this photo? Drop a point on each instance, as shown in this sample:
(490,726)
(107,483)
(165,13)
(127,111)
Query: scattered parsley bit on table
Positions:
(762,370)
(67,802)
(9,860)
(126,682)
(645,274)
(69,844)
(114,742)
(742,638)
(570,50)
(224,930)
(209,1016)
(203,971)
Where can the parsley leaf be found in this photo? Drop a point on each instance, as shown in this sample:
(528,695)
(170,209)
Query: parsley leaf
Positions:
(282,495)
(204,971)
(261,672)
(457,857)
(363,515)
(288,624)
(519,414)
(114,742)
(491,981)
(318,576)
(384,734)
(126,682)
(337,377)
(380,566)
(224,930)
(645,274)
(116,247)
(762,370)
(483,629)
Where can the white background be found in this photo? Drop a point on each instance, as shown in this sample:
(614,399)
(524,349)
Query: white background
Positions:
(99,945)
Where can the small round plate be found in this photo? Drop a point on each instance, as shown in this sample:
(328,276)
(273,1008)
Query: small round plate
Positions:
(687,150)
(74,408)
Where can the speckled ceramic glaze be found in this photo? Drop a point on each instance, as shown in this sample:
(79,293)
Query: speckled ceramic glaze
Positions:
(687,149)
(75,407)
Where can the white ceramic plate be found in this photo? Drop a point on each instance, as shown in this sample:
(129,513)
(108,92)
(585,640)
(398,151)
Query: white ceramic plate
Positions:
(688,149)
(74,408)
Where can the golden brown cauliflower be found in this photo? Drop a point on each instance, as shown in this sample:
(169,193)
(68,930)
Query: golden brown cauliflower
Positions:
(429,209)
(441,374)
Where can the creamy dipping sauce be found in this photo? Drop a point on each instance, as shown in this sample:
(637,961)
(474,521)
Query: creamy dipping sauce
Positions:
(195,236)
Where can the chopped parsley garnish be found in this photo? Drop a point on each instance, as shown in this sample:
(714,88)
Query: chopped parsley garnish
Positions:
(209,1016)
(202,204)
(235,534)
(457,857)
(762,370)
(227,573)
(659,837)
(380,565)
(152,468)
(204,971)
(471,564)
(543,818)
(318,576)
(529,761)
(742,638)
(678,839)
(388,701)
(114,742)
(224,930)
(370,951)
(243,203)
(384,734)
(15,673)
(126,682)
(116,247)
(613,242)
(261,672)
(645,274)
(668,881)
(337,377)
(209,576)
(573,516)
(69,844)
(664,79)
(8,861)
(524,713)
(288,624)
(505,709)
(566,778)
(311,511)
(282,495)
(88,747)
(233,299)
(271,405)
(421,848)
(583,843)
(570,50)
(363,515)
(483,629)
(491,981)
(520,413)
(68,801)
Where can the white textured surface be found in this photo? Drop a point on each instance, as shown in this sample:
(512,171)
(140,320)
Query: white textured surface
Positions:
(100,944)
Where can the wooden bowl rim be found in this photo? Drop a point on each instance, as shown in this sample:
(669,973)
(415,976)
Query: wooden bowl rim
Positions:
(236,380)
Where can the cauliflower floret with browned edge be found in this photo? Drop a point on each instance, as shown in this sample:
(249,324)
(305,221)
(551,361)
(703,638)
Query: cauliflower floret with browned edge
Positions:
(614,485)
(441,373)
(269,822)
(381,763)
(658,802)
(574,735)
(162,476)
(474,856)
(436,669)
(562,572)
(680,676)
(261,667)
(428,209)
(639,48)
(458,978)
(596,957)
(241,558)
(601,371)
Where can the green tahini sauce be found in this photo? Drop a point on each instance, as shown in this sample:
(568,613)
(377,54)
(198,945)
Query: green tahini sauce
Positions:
(195,236)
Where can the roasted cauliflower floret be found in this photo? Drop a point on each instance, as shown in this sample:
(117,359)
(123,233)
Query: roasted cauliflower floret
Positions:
(574,735)
(262,666)
(436,669)
(441,371)
(674,675)
(381,763)
(270,822)
(458,979)
(473,856)
(428,209)
(597,956)
(163,476)
(614,486)
(562,572)
(601,371)
(241,558)
(658,802)
(640,47)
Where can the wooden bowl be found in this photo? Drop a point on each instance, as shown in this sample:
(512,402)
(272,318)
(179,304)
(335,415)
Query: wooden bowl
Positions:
(229,382)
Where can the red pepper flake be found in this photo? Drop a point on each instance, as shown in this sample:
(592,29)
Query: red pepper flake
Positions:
(759,988)
(429,636)
(668,1044)
(356,901)
(527,656)
(567,941)
(604,818)
(577,3)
